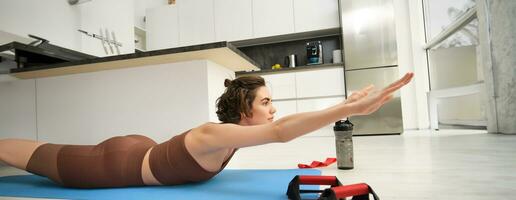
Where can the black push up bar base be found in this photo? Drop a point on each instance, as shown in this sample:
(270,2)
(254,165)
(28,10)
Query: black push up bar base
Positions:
(336,191)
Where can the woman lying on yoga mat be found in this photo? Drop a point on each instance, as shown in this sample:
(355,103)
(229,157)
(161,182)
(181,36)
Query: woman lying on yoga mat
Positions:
(198,154)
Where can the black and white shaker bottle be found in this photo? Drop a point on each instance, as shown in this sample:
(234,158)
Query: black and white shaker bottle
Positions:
(344,143)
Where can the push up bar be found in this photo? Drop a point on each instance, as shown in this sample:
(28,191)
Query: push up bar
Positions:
(336,191)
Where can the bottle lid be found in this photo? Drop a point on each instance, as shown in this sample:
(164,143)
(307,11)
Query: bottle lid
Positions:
(343,125)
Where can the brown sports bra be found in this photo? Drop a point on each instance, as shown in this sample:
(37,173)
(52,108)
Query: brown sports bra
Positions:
(172,164)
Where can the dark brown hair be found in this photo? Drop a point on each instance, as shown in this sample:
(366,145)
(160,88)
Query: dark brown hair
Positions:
(238,98)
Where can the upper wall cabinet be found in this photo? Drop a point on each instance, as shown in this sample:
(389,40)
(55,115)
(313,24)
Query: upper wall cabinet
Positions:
(233,19)
(161,25)
(196,24)
(310,15)
(273,17)
(94,16)
(203,21)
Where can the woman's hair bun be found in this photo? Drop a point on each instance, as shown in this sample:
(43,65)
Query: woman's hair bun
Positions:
(227,83)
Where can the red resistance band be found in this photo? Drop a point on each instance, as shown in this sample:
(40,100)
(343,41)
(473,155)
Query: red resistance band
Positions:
(315,164)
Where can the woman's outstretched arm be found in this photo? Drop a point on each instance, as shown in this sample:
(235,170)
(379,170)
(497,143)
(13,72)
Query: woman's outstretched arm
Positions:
(17,152)
(363,102)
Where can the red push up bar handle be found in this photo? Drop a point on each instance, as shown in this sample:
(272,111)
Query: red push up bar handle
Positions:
(358,191)
(351,190)
(318,180)
(294,192)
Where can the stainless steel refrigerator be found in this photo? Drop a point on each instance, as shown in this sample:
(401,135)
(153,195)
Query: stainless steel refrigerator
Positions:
(370,57)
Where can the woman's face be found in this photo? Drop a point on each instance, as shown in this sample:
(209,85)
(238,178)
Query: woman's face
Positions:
(262,111)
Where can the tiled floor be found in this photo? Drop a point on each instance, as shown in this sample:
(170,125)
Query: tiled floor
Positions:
(449,164)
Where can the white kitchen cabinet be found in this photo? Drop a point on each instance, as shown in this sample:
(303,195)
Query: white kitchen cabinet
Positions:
(320,83)
(282,86)
(233,19)
(310,15)
(162,27)
(307,105)
(284,108)
(305,91)
(94,16)
(204,21)
(196,24)
(272,17)
(87,108)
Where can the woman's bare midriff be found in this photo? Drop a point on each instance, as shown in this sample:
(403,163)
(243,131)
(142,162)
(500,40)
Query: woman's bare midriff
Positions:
(148,178)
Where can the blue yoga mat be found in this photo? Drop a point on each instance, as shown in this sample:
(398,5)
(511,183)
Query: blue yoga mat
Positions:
(229,184)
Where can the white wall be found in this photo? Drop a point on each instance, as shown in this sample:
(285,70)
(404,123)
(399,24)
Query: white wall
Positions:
(114,15)
(405,64)
(18,109)
(53,20)
(420,63)
(216,76)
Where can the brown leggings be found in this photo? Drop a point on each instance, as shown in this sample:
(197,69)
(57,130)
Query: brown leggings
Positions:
(116,162)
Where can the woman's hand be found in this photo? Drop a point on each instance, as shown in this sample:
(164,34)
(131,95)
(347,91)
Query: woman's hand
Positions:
(368,100)
(355,96)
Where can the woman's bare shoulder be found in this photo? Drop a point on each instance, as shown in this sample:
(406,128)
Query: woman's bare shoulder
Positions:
(205,137)
(212,125)
(208,127)
(229,135)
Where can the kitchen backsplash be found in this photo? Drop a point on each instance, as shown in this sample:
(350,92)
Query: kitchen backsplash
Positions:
(267,55)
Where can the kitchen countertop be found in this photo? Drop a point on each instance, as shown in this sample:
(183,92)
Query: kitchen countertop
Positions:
(222,53)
